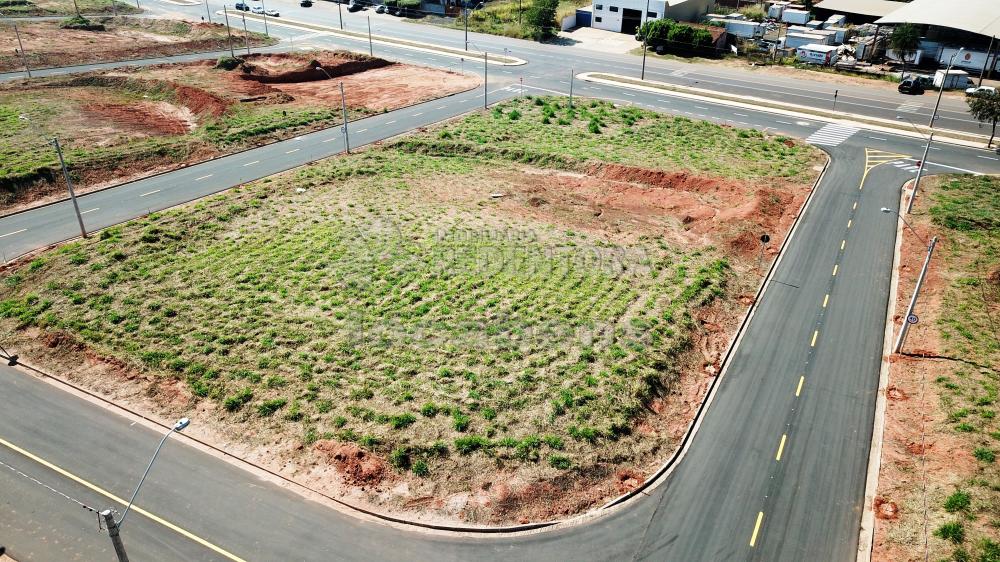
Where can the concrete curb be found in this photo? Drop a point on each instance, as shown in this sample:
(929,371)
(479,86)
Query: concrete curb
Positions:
(866,538)
(500,60)
(789,109)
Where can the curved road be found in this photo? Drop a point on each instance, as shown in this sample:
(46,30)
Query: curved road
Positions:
(775,472)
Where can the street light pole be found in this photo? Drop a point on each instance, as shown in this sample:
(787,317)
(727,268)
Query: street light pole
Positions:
(265,18)
(179,426)
(208,12)
(246,34)
(340,14)
(24,58)
(920,169)
(466,5)
(486,77)
(920,282)
(371,48)
(113,532)
(343,105)
(645,43)
(229,31)
(571,76)
(69,185)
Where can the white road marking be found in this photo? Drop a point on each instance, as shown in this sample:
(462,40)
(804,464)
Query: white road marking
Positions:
(831,135)
(203,177)
(150,192)
(743,123)
(628,94)
(360,130)
(440,107)
(987,157)
(330,139)
(663,101)
(878,138)
(90,210)
(417,114)
(701,107)
(390,122)
(13,233)
(784,122)
(292,150)
(741,114)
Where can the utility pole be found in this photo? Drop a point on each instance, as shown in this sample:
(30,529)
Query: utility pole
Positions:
(208,12)
(265,17)
(371,48)
(645,45)
(340,14)
(486,76)
(116,539)
(69,185)
(228,30)
(916,182)
(343,104)
(466,4)
(571,75)
(77,8)
(246,34)
(913,299)
(835,92)
(24,58)
(989,52)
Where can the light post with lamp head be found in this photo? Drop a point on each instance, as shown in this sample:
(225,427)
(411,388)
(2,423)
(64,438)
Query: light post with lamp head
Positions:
(923,161)
(343,104)
(910,318)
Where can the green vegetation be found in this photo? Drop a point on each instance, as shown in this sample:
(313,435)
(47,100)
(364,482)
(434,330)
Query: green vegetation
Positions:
(384,307)
(66,7)
(672,36)
(905,40)
(523,19)
(985,108)
(966,211)
(81,23)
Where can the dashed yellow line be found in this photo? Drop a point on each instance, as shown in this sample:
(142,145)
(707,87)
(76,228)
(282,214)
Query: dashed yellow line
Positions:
(815,335)
(855,206)
(850,222)
(756,528)
(842,244)
(119,500)
(835,267)
(826,299)
(781,447)
(798,389)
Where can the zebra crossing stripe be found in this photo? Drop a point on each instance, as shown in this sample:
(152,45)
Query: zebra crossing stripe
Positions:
(831,135)
(910,106)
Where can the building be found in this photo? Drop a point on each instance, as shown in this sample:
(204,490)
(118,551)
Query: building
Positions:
(625,16)
(857,11)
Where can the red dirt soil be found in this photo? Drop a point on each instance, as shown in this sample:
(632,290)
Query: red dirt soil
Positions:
(356,466)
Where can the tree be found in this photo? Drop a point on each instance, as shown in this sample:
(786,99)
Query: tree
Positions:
(985,108)
(904,40)
(655,32)
(541,17)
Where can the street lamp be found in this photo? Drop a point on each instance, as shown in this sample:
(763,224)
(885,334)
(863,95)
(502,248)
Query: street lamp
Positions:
(115,526)
(343,104)
(910,318)
(920,169)
(69,184)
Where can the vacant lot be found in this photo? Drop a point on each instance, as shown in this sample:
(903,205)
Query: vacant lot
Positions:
(48,44)
(66,7)
(942,436)
(125,123)
(510,317)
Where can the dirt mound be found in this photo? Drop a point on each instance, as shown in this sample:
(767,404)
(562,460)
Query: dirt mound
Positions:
(993,277)
(357,466)
(56,339)
(885,509)
(199,101)
(155,118)
(628,480)
(894,393)
(681,181)
(258,70)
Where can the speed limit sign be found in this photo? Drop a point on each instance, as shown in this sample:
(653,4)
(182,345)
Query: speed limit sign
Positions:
(912,319)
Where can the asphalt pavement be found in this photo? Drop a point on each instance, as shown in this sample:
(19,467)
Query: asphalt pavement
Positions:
(775,471)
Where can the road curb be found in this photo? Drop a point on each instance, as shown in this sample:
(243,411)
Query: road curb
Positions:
(794,110)
(866,537)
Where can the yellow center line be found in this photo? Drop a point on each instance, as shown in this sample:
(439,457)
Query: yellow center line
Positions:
(798,389)
(842,244)
(815,335)
(850,222)
(756,528)
(826,299)
(855,206)
(781,447)
(119,500)
(835,267)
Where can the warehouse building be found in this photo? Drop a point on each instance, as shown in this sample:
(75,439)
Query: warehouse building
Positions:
(625,16)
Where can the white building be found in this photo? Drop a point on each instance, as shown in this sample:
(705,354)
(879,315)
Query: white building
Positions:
(625,16)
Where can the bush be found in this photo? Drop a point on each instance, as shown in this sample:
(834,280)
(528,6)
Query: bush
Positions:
(594,126)
(541,18)
(471,443)
(238,400)
(959,501)
(984,454)
(228,63)
(460,421)
(81,23)
(400,457)
(401,421)
(559,461)
(268,407)
(429,410)
(420,468)
(954,532)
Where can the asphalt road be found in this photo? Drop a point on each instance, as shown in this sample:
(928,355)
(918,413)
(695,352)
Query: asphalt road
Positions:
(807,498)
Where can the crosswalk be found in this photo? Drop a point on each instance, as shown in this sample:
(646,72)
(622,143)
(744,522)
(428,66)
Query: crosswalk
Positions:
(904,165)
(831,135)
(910,107)
(679,73)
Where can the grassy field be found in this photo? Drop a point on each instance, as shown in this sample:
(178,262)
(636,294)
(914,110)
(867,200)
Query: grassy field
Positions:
(967,210)
(394,305)
(67,7)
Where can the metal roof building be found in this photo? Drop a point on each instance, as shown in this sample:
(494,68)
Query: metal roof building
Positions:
(981,17)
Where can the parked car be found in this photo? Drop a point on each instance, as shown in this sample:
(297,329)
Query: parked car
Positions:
(272,13)
(306,3)
(392,10)
(242,7)
(911,86)
(380,9)
(980,90)
(354,7)
(257,9)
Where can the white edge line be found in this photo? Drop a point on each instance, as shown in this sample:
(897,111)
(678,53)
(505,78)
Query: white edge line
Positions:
(13,233)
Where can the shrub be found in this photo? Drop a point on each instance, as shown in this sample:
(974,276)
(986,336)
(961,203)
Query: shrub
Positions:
(959,501)
(400,421)
(460,421)
(553,441)
(954,532)
(81,23)
(400,457)
(984,454)
(268,407)
(514,115)
(228,63)
(560,461)
(429,410)
(294,412)
(420,469)
(594,126)
(238,400)
(541,18)
(471,443)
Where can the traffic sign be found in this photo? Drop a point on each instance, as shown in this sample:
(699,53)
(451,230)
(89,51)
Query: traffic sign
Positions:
(912,319)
